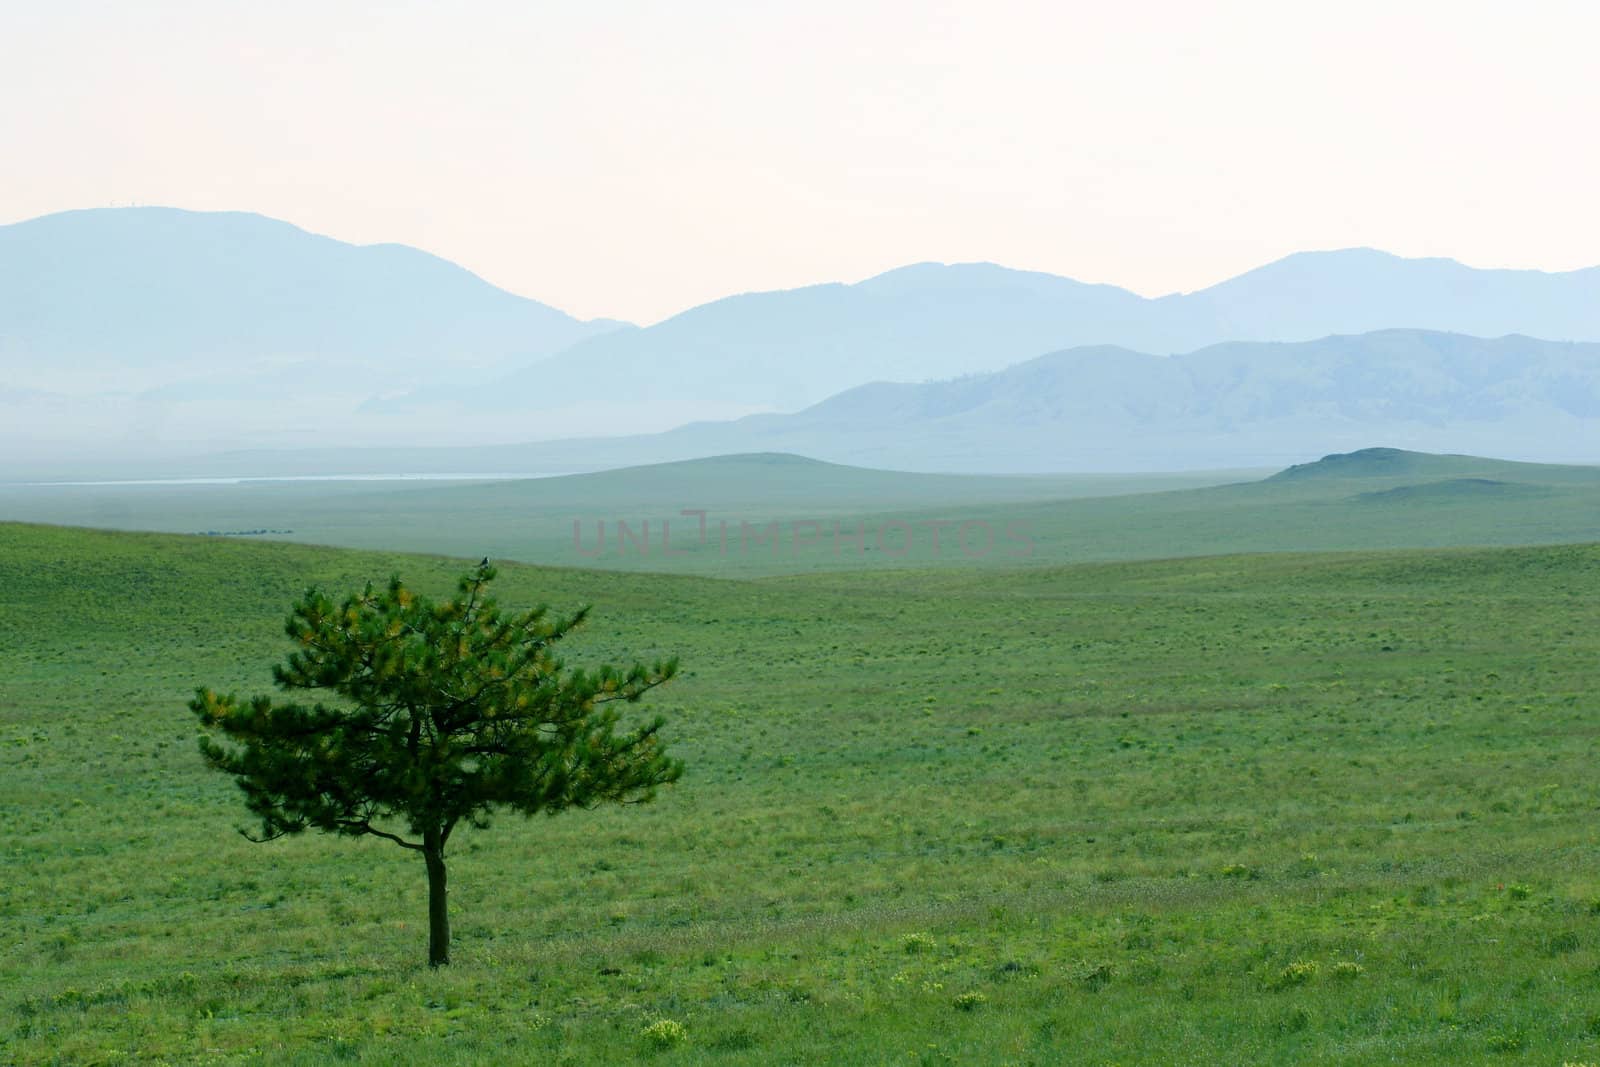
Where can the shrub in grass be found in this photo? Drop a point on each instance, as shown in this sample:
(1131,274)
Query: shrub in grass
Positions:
(969,1001)
(665,1033)
(1561,944)
(1095,976)
(1348,969)
(1307,866)
(1295,974)
(1507,1041)
(734,1040)
(1293,1023)
(915,944)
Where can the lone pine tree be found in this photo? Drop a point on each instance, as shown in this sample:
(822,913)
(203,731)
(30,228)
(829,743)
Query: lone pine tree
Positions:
(444,713)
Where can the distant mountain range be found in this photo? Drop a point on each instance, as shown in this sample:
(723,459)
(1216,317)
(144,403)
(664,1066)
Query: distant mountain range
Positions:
(143,295)
(783,351)
(143,330)
(134,323)
(1105,409)
(1241,404)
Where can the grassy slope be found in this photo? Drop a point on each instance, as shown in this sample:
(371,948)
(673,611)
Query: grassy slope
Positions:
(531,520)
(1375,499)
(1424,502)
(1119,801)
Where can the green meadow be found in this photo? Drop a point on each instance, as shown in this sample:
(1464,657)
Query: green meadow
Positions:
(1247,808)
(766,515)
(532,520)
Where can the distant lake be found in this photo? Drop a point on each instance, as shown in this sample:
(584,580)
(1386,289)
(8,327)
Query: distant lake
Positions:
(453,477)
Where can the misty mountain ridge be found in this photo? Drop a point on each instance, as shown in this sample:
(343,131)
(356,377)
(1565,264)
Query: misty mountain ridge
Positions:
(782,351)
(147,297)
(155,329)
(1239,404)
(1233,404)
(1106,409)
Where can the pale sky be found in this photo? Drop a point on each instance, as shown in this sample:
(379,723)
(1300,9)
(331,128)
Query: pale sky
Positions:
(632,159)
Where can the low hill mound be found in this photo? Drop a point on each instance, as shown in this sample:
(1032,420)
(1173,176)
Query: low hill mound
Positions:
(1397,463)
(1454,489)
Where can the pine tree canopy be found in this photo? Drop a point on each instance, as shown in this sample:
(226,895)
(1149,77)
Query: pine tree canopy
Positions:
(435,714)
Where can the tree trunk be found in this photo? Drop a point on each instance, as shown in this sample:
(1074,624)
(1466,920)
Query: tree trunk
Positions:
(438,903)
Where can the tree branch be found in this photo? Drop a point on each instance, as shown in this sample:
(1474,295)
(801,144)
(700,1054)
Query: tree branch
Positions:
(368,828)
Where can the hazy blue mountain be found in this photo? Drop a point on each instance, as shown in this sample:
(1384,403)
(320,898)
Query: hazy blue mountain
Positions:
(782,351)
(150,330)
(1238,404)
(1360,290)
(138,330)
(135,298)
(1234,404)
(1105,408)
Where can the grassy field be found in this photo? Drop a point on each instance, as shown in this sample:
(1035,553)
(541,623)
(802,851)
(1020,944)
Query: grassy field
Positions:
(532,520)
(831,518)
(1285,808)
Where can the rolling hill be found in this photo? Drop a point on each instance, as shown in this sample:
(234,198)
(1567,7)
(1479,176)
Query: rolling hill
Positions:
(836,518)
(533,518)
